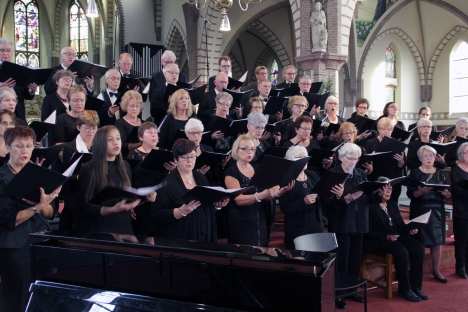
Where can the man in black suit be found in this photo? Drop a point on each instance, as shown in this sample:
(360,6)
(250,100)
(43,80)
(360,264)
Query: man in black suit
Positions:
(159,78)
(125,68)
(22,93)
(261,73)
(289,74)
(109,112)
(208,103)
(67,56)
(159,105)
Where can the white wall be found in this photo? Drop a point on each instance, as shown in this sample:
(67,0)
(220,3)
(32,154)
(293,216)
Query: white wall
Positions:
(139,21)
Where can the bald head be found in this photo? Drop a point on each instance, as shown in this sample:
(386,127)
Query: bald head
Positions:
(221,81)
(67,56)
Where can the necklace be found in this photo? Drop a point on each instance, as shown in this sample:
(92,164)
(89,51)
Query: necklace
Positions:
(61,98)
(189,180)
(384,208)
(11,168)
(303,180)
(144,150)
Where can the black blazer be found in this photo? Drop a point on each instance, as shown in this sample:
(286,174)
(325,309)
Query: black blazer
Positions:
(158,106)
(50,86)
(460,196)
(158,80)
(104,118)
(207,106)
(122,88)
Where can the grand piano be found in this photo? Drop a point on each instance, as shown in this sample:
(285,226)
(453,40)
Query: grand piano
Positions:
(229,277)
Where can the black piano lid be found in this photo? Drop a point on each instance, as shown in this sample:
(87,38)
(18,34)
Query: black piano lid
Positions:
(244,252)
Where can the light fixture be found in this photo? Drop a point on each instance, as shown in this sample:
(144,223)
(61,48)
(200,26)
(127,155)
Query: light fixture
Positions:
(225,25)
(92,11)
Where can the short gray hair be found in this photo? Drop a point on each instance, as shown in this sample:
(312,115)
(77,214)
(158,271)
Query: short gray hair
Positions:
(460,151)
(5,90)
(6,41)
(294,151)
(112,70)
(334,99)
(426,148)
(306,77)
(349,148)
(168,53)
(256,118)
(193,123)
(169,66)
(462,120)
(224,95)
(424,122)
(285,68)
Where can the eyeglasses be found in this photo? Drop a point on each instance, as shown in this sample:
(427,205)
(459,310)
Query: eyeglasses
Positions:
(347,133)
(126,64)
(224,104)
(259,128)
(332,103)
(172,73)
(78,101)
(226,66)
(262,73)
(20,147)
(300,105)
(427,156)
(290,74)
(195,133)
(6,123)
(305,83)
(9,100)
(89,128)
(257,107)
(114,78)
(361,107)
(134,106)
(67,79)
(465,153)
(5,50)
(69,54)
(352,159)
(168,62)
(306,129)
(427,127)
(394,107)
(187,158)
(248,149)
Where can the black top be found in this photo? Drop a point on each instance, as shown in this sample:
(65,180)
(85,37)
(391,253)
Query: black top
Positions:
(325,142)
(459,195)
(65,129)
(261,148)
(125,129)
(399,123)
(158,106)
(199,225)
(207,106)
(413,159)
(312,144)
(416,133)
(168,131)
(50,104)
(11,235)
(120,222)
(390,171)
(50,86)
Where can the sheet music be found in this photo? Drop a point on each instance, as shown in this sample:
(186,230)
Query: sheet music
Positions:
(244,77)
(407,141)
(70,169)
(146,90)
(191,82)
(52,118)
(424,219)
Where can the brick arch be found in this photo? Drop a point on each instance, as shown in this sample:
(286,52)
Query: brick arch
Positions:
(259,62)
(440,48)
(176,39)
(270,37)
(236,68)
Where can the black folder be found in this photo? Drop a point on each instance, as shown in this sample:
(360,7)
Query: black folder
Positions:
(27,182)
(317,155)
(227,127)
(133,136)
(364,124)
(209,195)
(49,153)
(131,83)
(452,156)
(377,158)
(449,148)
(411,182)
(87,69)
(315,88)
(155,160)
(210,159)
(277,151)
(133,163)
(239,98)
(369,187)
(292,90)
(196,94)
(323,99)
(110,196)
(275,127)
(313,99)
(332,128)
(447,132)
(274,105)
(277,171)
(329,180)
(316,127)
(24,76)
(235,84)
(40,128)
(85,157)
(93,103)
(391,145)
(401,134)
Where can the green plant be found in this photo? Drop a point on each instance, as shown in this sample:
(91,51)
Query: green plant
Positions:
(328,86)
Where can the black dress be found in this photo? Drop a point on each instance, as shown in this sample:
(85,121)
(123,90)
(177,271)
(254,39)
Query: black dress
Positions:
(299,217)
(433,234)
(199,225)
(247,224)
(119,223)
(65,129)
(125,129)
(460,216)
(413,159)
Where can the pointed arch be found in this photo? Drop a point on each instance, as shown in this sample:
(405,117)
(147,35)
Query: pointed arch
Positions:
(176,39)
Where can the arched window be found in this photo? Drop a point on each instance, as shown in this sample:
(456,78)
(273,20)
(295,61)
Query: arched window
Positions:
(78,31)
(459,83)
(390,72)
(274,73)
(27,33)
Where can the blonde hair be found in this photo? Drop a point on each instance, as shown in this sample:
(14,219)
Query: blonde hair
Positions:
(235,146)
(297,98)
(131,95)
(385,122)
(175,98)
(347,126)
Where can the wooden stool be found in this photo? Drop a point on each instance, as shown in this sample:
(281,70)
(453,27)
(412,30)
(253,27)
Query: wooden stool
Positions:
(379,259)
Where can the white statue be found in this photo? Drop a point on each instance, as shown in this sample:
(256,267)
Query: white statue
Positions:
(318,23)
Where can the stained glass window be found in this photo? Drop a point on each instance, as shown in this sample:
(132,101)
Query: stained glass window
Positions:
(390,61)
(78,31)
(274,73)
(27,33)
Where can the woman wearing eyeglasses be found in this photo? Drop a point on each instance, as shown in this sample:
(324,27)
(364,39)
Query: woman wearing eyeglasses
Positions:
(424,129)
(179,112)
(424,112)
(362,106)
(248,212)
(219,142)
(65,126)
(332,107)
(190,221)
(387,234)
(423,200)
(296,106)
(19,217)
(391,111)
(133,105)
(7,121)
